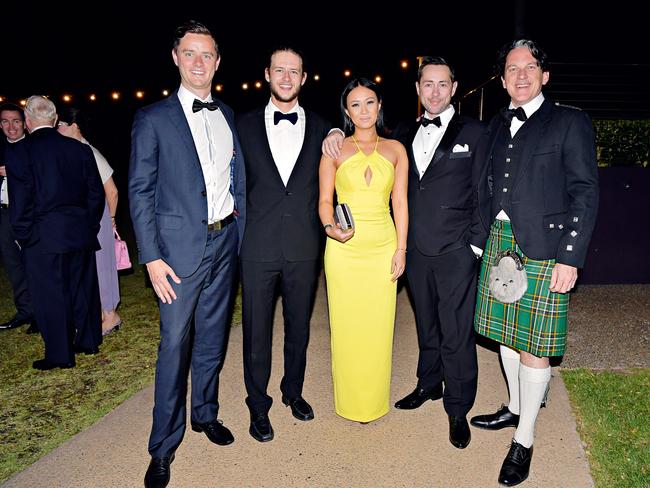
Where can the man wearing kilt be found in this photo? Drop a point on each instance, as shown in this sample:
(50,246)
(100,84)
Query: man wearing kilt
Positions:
(538,195)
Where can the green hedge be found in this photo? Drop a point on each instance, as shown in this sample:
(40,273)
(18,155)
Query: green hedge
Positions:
(622,142)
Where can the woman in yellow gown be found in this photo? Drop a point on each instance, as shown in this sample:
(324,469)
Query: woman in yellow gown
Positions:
(362,265)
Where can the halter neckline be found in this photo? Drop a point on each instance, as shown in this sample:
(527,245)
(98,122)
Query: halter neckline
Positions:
(361,150)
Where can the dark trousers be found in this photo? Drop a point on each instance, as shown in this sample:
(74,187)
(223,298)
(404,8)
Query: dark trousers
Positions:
(296,282)
(204,300)
(444,291)
(67,306)
(10,255)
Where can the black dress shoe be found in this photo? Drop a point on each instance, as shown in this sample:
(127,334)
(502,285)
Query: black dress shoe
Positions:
(158,472)
(216,432)
(459,433)
(299,408)
(418,396)
(33,328)
(45,365)
(261,428)
(14,323)
(500,419)
(516,465)
(88,351)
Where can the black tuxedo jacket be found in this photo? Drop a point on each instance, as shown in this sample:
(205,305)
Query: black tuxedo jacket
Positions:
(56,198)
(554,198)
(442,207)
(282,222)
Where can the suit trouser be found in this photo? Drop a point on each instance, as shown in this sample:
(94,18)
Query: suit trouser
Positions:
(204,300)
(66,304)
(444,291)
(13,265)
(296,281)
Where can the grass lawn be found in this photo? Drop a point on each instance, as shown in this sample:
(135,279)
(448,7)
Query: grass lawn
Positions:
(40,410)
(613,416)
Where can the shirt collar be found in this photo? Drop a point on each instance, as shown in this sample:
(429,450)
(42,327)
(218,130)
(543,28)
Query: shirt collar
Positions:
(186,97)
(273,107)
(17,140)
(531,107)
(445,115)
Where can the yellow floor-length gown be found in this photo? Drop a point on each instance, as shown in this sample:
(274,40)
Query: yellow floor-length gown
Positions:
(360,292)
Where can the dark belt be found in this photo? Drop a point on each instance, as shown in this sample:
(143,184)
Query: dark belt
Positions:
(220,224)
(4,205)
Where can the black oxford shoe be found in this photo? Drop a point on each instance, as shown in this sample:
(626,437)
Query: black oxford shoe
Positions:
(418,396)
(516,464)
(299,408)
(158,472)
(33,328)
(496,421)
(459,433)
(215,431)
(46,365)
(261,428)
(14,323)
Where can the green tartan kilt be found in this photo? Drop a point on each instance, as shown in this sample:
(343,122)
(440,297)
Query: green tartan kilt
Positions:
(537,323)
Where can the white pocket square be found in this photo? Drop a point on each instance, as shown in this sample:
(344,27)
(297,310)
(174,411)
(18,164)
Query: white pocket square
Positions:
(460,148)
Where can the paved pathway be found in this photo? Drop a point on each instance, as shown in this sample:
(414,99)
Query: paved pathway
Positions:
(402,449)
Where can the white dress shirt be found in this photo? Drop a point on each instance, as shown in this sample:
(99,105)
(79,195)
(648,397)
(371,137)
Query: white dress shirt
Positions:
(285,139)
(428,138)
(213,140)
(529,108)
(4,192)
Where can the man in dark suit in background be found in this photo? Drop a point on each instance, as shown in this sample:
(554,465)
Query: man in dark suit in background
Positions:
(280,251)
(187,191)
(12,121)
(538,196)
(442,241)
(56,203)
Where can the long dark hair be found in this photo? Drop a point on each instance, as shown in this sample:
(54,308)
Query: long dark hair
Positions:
(348,126)
(74,115)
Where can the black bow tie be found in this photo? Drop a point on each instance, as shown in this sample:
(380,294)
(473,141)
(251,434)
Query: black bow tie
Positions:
(509,113)
(198,105)
(278,116)
(435,121)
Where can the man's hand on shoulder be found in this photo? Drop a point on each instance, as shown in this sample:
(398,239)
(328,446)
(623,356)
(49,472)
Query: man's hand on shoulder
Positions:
(333,143)
(158,271)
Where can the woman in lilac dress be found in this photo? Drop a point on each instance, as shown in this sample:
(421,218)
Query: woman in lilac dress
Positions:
(70,122)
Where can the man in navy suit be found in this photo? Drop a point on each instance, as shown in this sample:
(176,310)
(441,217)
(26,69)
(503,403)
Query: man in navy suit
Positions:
(538,197)
(280,251)
(12,121)
(56,203)
(187,191)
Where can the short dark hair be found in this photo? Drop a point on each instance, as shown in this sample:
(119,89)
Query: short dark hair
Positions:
(12,107)
(436,61)
(74,115)
(192,27)
(348,126)
(289,49)
(535,49)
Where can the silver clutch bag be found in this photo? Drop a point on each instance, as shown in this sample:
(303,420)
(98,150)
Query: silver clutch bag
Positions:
(343,216)
(508,280)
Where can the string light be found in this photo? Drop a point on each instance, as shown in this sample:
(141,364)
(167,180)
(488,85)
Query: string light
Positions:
(347,73)
(165,93)
(404,64)
(377,79)
(139,94)
(67,98)
(316,77)
(23,102)
(258,84)
(218,88)
(2,99)
(115,95)
(92,97)
(244,86)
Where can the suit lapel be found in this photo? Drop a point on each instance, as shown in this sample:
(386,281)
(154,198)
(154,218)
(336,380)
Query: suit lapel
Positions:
(306,141)
(410,137)
(177,117)
(260,134)
(537,124)
(445,143)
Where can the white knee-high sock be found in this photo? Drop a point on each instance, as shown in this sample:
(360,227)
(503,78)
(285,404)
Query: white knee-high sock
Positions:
(532,387)
(510,360)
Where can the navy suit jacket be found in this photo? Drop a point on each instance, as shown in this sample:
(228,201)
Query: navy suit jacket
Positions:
(167,191)
(56,199)
(554,199)
(443,211)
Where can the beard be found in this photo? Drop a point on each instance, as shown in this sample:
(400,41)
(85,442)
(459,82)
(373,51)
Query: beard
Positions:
(285,98)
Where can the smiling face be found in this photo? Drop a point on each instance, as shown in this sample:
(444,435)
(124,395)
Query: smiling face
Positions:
(435,88)
(362,106)
(523,78)
(197,60)
(12,124)
(285,77)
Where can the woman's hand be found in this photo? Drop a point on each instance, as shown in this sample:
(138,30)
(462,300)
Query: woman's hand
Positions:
(398,264)
(335,232)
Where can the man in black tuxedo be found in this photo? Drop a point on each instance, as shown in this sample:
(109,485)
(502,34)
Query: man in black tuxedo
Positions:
(281,247)
(442,241)
(56,203)
(538,195)
(12,121)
